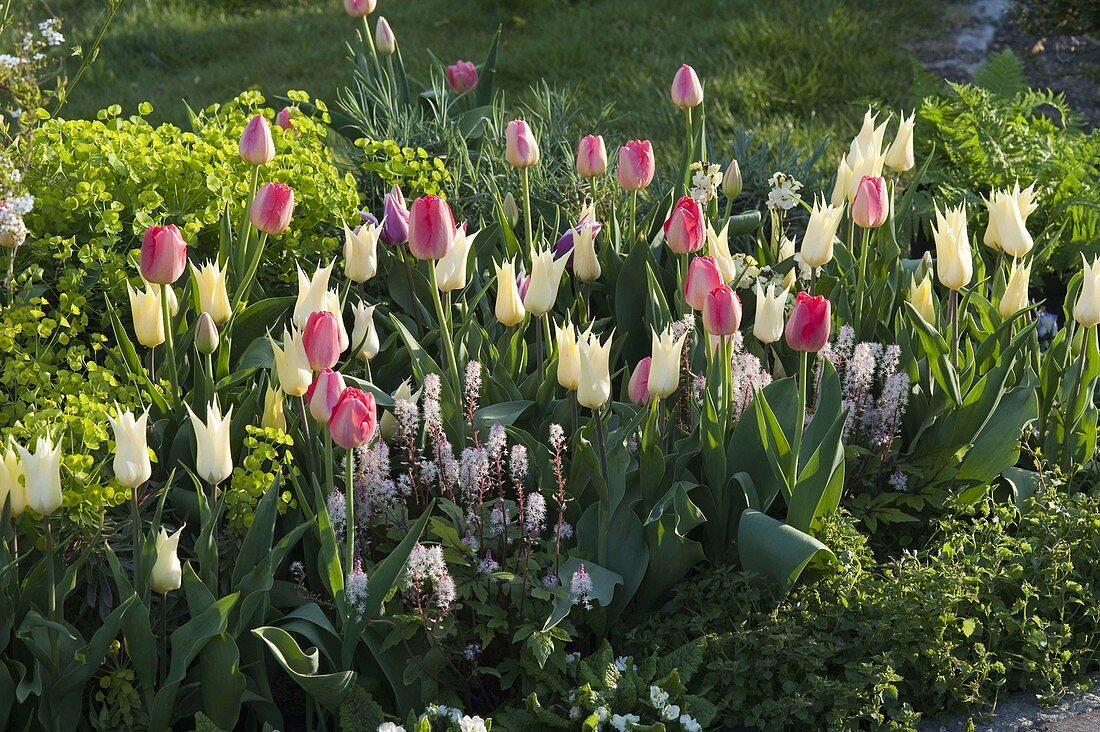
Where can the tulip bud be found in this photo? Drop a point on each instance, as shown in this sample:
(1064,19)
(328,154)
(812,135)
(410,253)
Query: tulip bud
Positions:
(384,40)
(272,208)
(664,369)
(809,324)
(511,210)
(163,254)
(872,206)
(213,293)
(284,119)
(395,218)
(731,181)
(1007,230)
(817,244)
(359,8)
(147,316)
(461,76)
(840,187)
(687,92)
(42,475)
(213,460)
(702,277)
(361,252)
(206,335)
(636,166)
(11,481)
(1015,297)
(638,386)
(542,292)
(323,393)
(586,265)
(684,229)
(321,339)
(594,379)
(521,148)
(509,305)
(354,418)
(256,146)
(312,294)
(591,156)
(1086,310)
(954,260)
(292,364)
(364,336)
(722,311)
(387,426)
(920,297)
(431,228)
(569,357)
(450,271)
(273,417)
(769,323)
(900,155)
(167,572)
(131,465)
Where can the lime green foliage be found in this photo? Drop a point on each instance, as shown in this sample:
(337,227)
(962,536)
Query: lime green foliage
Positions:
(266,456)
(998,602)
(412,169)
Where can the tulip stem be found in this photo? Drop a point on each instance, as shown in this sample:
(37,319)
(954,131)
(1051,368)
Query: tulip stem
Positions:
(253,264)
(633,218)
(349,497)
(527,211)
(800,417)
(412,288)
(860,283)
(52,590)
(169,344)
(245,229)
(689,147)
(163,655)
(448,346)
(538,344)
(330,479)
(139,576)
(955,329)
(305,417)
(1071,411)
(605,514)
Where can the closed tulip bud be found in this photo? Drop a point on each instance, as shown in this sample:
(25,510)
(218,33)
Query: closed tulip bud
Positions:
(167,572)
(312,294)
(569,357)
(591,156)
(206,335)
(770,316)
(359,8)
(387,426)
(920,297)
(285,118)
(702,277)
(147,316)
(461,76)
(323,393)
(586,265)
(163,254)
(273,417)
(321,339)
(809,324)
(395,218)
(11,481)
(42,475)
(637,389)
(954,260)
(364,336)
(256,146)
(131,465)
(361,252)
(521,148)
(509,305)
(840,187)
(594,382)
(431,228)
(636,165)
(354,418)
(292,364)
(685,230)
(1015,297)
(1007,230)
(664,370)
(450,271)
(213,293)
(872,206)
(687,92)
(272,208)
(542,292)
(817,244)
(900,155)
(384,39)
(213,460)
(732,185)
(511,210)
(1086,310)
(722,311)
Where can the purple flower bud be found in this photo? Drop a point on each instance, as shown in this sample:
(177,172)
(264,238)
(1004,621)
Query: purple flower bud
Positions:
(395,220)
(564,245)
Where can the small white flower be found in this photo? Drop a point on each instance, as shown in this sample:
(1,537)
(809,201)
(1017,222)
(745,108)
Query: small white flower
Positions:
(390,727)
(622,722)
(603,714)
(689,723)
(671,712)
(658,697)
(471,724)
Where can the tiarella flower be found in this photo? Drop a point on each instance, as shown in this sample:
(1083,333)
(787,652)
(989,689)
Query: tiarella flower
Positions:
(355,589)
(534,519)
(580,588)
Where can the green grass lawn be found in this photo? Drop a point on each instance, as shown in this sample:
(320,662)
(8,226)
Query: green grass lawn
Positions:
(804,65)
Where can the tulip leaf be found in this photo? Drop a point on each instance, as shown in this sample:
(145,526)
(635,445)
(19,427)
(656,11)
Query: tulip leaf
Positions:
(328,690)
(604,582)
(221,682)
(254,322)
(504,413)
(776,551)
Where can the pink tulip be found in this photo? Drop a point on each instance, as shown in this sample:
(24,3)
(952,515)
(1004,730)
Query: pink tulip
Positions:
(638,387)
(272,208)
(684,230)
(431,228)
(323,393)
(163,254)
(321,340)
(256,146)
(871,206)
(359,8)
(461,76)
(636,166)
(354,418)
(702,277)
(722,311)
(591,156)
(283,118)
(521,148)
(808,326)
(687,92)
